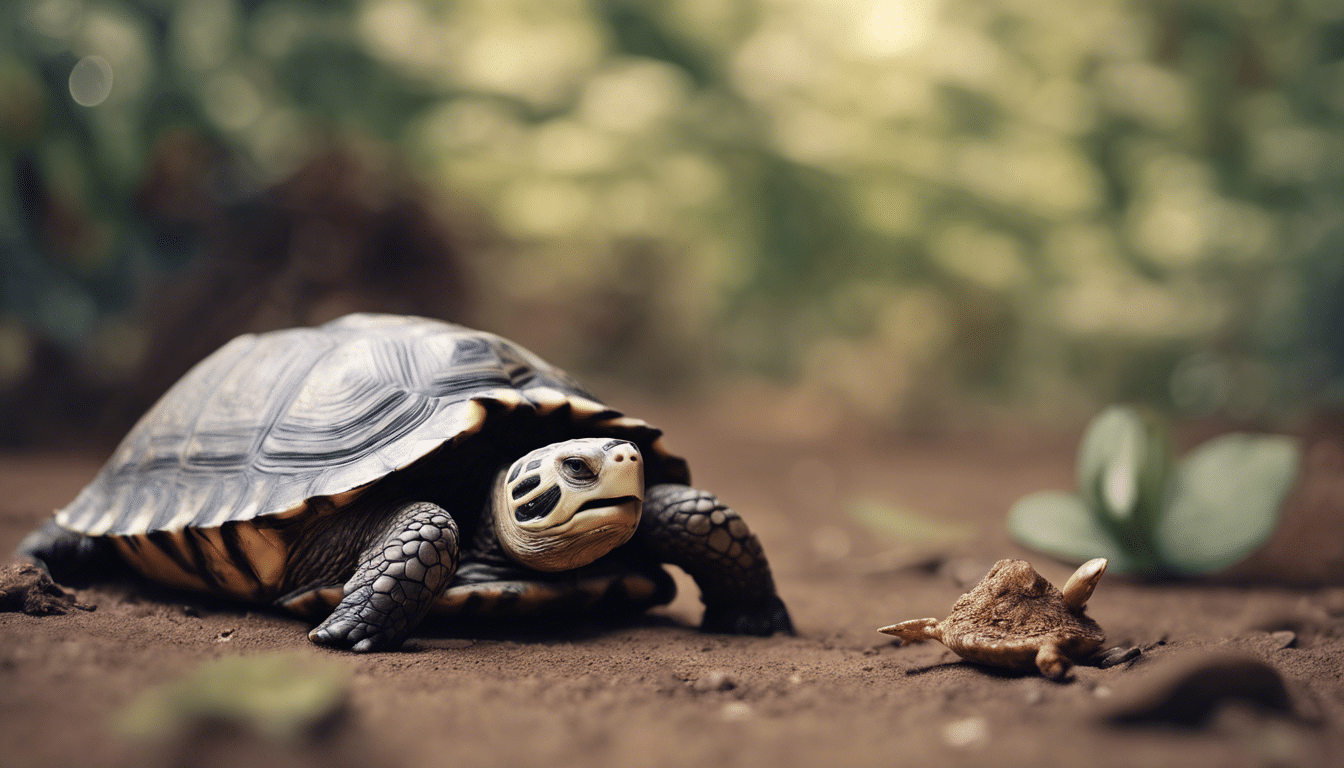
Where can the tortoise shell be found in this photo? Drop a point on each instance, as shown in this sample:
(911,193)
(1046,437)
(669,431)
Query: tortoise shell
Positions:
(274,429)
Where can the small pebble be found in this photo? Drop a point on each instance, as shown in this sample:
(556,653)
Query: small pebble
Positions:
(735,711)
(1283,639)
(714,680)
(1188,690)
(1113,656)
(962,734)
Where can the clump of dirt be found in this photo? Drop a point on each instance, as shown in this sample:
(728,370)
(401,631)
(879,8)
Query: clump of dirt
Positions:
(28,589)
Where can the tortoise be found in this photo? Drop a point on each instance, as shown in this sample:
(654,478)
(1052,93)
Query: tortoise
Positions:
(377,468)
(1015,618)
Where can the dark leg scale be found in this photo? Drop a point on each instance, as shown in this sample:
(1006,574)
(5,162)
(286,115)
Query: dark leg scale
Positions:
(398,578)
(696,532)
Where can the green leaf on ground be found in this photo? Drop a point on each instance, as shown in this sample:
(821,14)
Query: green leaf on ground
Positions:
(1225,501)
(1060,525)
(280,696)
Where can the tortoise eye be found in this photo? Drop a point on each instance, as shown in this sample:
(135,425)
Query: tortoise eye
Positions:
(578,469)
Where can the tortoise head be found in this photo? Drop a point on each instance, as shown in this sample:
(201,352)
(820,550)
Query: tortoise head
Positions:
(569,503)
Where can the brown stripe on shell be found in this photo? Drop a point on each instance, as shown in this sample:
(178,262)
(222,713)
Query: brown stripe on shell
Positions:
(153,561)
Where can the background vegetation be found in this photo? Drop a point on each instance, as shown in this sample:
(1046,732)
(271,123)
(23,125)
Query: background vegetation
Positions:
(888,206)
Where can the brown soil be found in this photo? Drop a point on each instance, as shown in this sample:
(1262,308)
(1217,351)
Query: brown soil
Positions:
(657,692)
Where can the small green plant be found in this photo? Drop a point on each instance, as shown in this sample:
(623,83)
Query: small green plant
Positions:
(1148,514)
(281,696)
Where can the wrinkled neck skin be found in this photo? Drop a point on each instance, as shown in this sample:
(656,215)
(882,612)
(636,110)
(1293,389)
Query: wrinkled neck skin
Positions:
(572,535)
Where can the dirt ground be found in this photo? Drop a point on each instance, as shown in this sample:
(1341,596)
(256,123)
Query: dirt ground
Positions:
(656,692)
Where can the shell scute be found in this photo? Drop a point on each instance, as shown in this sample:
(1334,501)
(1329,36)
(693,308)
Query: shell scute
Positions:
(271,422)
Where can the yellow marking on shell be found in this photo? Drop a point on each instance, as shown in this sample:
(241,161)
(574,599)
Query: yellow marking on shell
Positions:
(584,408)
(266,552)
(545,400)
(462,420)
(509,398)
(623,423)
(155,564)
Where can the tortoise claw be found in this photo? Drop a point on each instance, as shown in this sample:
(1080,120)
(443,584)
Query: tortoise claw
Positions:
(349,630)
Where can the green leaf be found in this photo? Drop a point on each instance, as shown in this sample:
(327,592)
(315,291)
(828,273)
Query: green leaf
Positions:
(1060,525)
(1123,464)
(281,696)
(905,525)
(1225,501)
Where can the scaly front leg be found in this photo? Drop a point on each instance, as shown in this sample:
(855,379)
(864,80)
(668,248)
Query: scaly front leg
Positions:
(696,532)
(398,578)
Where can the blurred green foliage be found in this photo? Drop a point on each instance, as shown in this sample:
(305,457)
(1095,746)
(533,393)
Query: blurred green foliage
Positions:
(1148,514)
(285,697)
(884,202)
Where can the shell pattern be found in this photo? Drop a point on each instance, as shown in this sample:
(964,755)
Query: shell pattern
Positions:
(268,425)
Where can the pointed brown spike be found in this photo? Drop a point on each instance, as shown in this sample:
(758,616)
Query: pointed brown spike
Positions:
(914,631)
(1080,585)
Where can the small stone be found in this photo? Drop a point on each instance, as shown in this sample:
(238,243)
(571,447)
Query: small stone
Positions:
(1113,656)
(1188,690)
(1283,639)
(969,733)
(735,711)
(714,680)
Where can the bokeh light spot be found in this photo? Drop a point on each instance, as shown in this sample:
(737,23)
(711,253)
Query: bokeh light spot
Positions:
(91,81)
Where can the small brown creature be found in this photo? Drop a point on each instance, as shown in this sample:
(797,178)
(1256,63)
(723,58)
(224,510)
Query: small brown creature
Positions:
(1015,618)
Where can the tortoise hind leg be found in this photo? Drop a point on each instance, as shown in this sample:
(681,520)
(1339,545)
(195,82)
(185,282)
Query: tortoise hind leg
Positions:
(69,557)
(696,532)
(400,575)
